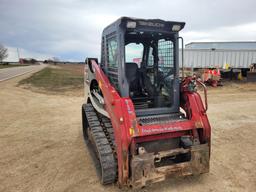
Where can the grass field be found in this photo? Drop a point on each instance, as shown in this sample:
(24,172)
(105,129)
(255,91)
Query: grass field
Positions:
(58,78)
(2,66)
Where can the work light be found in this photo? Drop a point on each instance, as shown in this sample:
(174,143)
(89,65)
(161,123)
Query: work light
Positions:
(131,24)
(175,27)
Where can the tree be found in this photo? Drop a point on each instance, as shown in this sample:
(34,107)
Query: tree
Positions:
(3,53)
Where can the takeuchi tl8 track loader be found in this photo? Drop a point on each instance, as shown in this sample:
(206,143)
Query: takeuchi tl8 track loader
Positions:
(142,122)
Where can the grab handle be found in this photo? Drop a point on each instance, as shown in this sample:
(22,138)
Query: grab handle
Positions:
(205,94)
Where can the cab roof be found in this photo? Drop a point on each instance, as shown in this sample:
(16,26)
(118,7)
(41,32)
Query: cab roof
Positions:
(137,24)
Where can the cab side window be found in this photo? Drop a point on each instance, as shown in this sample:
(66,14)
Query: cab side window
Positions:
(112,52)
(112,62)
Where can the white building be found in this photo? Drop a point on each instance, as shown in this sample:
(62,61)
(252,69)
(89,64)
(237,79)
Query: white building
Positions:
(216,54)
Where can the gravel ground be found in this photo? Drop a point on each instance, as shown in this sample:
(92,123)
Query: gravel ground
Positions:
(42,149)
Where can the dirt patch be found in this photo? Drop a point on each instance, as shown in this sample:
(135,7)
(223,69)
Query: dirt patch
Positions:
(42,149)
(56,79)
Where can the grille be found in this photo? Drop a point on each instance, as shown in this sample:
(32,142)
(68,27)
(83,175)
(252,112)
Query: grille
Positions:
(161,119)
(165,54)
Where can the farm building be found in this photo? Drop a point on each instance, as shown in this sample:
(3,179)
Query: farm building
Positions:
(238,55)
(237,45)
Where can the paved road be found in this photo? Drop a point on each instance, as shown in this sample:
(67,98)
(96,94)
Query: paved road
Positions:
(12,72)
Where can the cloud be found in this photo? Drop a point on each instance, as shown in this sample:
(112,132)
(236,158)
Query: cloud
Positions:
(243,32)
(71,29)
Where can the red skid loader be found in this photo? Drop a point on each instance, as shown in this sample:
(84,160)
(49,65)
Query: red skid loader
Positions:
(141,121)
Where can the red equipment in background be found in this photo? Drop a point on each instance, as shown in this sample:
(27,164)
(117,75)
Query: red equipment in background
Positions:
(211,77)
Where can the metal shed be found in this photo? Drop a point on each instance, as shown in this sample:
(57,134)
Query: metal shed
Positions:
(238,54)
(213,58)
(238,45)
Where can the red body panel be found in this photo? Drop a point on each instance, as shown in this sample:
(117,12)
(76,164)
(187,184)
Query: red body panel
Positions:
(127,130)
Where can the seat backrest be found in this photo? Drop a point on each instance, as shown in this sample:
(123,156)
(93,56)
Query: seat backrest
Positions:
(131,71)
(132,75)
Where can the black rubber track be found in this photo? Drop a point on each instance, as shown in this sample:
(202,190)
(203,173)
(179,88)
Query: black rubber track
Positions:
(99,137)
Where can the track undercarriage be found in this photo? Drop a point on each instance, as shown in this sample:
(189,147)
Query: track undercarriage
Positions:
(99,136)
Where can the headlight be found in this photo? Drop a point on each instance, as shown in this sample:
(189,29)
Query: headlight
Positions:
(131,24)
(175,27)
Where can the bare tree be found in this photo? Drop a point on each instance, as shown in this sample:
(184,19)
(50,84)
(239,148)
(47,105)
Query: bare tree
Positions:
(3,53)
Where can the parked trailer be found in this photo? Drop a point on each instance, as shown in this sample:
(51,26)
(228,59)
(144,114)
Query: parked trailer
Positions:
(216,58)
(251,75)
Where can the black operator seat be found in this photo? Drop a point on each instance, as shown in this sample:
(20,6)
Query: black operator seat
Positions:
(132,75)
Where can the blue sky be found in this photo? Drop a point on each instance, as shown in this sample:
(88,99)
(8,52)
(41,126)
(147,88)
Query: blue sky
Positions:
(71,29)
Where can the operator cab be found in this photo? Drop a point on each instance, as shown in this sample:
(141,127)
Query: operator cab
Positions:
(140,58)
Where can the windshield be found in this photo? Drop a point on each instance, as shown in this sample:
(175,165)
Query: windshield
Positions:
(150,68)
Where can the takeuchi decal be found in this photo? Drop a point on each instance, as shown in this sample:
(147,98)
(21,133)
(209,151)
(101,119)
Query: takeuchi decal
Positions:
(151,24)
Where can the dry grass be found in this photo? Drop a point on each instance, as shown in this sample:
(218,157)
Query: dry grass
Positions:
(57,79)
